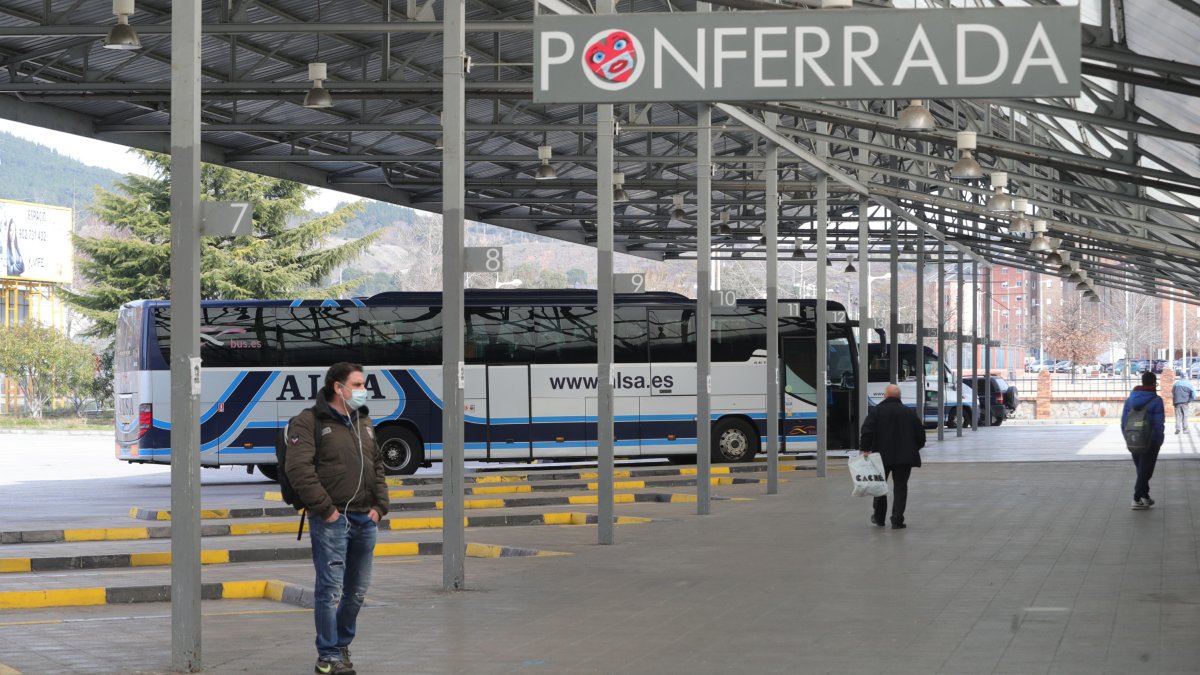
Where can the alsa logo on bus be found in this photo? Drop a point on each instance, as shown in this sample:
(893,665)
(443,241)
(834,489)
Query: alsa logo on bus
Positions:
(620,381)
(291,391)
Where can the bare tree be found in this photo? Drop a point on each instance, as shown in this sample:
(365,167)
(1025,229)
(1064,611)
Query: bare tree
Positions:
(1070,331)
(1131,321)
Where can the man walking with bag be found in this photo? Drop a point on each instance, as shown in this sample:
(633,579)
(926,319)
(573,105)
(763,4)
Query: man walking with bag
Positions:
(1182,394)
(337,472)
(1142,423)
(897,433)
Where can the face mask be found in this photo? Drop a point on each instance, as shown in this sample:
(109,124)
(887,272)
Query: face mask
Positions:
(358,398)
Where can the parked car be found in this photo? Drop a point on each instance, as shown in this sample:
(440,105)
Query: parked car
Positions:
(1039,366)
(1194,369)
(1157,365)
(1088,368)
(1004,397)
(1135,366)
(1062,367)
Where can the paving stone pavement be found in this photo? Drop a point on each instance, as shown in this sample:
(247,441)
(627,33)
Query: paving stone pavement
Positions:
(1005,568)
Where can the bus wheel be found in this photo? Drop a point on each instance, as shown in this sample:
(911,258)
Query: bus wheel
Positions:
(402,450)
(271,471)
(733,441)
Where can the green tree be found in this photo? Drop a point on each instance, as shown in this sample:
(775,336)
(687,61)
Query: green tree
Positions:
(45,364)
(282,258)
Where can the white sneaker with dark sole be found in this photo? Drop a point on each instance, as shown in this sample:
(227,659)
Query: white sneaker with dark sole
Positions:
(1139,505)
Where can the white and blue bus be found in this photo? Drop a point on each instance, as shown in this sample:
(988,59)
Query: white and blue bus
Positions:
(530,375)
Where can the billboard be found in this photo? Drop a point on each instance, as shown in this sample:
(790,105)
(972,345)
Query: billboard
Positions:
(35,242)
(1010,52)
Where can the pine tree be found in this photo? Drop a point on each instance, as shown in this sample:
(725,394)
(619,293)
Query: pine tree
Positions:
(284,258)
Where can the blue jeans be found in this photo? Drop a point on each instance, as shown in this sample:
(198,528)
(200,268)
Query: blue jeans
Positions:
(1144,462)
(342,555)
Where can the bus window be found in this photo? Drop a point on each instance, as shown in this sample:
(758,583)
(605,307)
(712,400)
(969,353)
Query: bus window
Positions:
(629,332)
(408,336)
(672,335)
(499,335)
(840,365)
(565,334)
(737,333)
(230,337)
(318,336)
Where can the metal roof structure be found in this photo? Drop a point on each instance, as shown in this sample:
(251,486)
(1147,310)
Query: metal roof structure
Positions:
(1115,172)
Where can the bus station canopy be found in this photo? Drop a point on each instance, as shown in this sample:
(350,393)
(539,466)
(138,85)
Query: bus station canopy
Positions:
(1114,173)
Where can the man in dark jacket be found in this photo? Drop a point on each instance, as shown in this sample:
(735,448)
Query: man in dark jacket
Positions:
(897,433)
(1146,395)
(337,472)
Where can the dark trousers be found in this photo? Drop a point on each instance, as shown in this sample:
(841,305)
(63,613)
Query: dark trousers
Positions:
(1144,461)
(899,476)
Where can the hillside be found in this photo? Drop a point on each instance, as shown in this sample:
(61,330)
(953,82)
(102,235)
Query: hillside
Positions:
(35,173)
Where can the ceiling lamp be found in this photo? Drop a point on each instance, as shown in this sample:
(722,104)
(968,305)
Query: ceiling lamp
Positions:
(798,253)
(1082,286)
(1040,243)
(839,248)
(966,169)
(1020,224)
(545,171)
(619,188)
(1092,297)
(850,269)
(829,262)
(678,213)
(916,117)
(1000,201)
(908,248)
(1054,259)
(317,97)
(122,35)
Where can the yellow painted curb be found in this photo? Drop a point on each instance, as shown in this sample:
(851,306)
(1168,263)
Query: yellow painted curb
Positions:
(162,558)
(9,565)
(500,489)
(107,534)
(69,597)
(239,529)
(397,549)
(244,590)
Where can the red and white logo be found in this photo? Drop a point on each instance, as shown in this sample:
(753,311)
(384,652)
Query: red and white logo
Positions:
(613,59)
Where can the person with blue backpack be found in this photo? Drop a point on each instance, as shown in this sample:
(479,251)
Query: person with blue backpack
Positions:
(1142,424)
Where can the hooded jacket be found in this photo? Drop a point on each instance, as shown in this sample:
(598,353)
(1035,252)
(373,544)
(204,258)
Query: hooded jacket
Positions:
(1147,396)
(344,470)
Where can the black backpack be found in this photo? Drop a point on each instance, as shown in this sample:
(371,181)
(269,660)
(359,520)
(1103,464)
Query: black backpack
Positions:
(285,486)
(1137,429)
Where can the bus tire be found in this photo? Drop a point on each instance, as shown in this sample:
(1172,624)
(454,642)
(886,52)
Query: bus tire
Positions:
(734,440)
(270,471)
(401,449)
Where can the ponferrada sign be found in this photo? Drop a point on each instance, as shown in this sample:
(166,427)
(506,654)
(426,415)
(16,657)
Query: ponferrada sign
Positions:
(808,55)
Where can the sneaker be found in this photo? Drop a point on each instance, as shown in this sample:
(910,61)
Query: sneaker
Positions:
(333,668)
(1148,502)
(346,656)
(1139,505)
(877,521)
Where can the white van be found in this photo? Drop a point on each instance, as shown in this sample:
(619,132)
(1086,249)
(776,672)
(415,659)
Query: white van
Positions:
(879,374)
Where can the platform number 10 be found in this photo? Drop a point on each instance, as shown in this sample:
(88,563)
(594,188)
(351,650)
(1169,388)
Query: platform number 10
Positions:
(483,259)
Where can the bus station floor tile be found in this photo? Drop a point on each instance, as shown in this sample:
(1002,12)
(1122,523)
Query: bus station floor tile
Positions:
(1017,567)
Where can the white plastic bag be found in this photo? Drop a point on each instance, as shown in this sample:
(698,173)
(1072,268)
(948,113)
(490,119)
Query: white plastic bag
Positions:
(867,474)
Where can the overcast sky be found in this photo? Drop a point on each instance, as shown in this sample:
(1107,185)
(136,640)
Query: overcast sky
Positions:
(118,158)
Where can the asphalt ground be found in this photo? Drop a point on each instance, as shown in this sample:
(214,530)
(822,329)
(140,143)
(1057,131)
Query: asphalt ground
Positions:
(1021,556)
